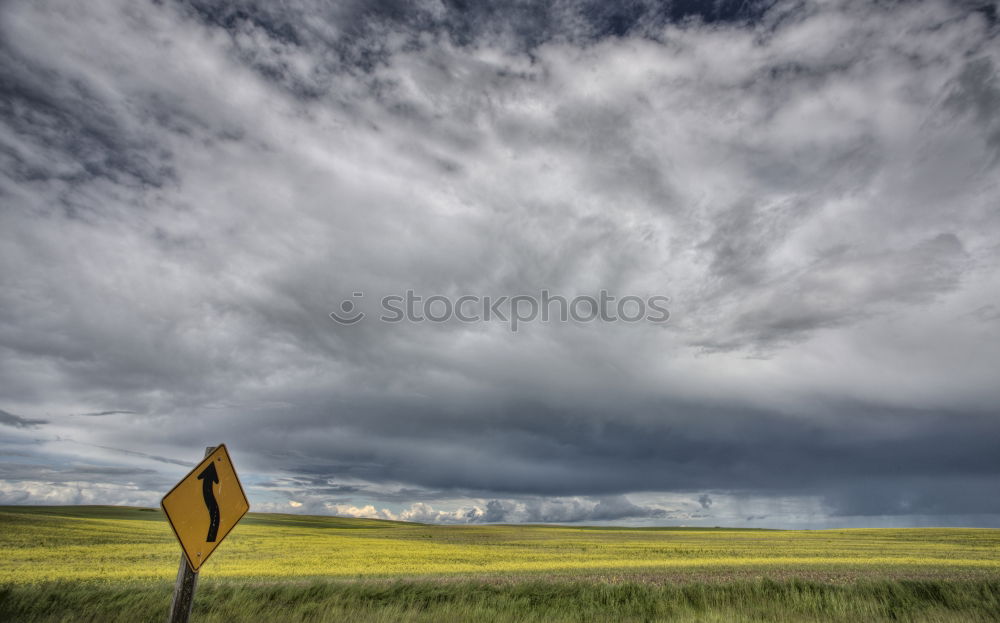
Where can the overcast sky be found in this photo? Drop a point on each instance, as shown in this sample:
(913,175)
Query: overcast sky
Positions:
(188,190)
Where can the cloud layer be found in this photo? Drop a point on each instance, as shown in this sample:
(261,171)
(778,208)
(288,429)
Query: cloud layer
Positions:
(189,189)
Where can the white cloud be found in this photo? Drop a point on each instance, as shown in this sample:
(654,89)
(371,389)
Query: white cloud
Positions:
(69,492)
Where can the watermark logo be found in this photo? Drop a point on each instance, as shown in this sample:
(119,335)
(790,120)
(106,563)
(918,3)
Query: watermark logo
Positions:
(513,310)
(349,313)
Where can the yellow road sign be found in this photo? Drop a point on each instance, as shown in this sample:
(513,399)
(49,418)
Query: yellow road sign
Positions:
(205,505)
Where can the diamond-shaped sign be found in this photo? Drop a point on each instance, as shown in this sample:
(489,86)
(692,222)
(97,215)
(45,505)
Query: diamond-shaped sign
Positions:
(205,505)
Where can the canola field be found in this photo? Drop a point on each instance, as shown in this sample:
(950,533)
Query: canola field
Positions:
(98,563)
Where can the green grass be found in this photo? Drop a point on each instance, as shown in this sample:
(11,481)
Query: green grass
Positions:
(117,564)
(436,602)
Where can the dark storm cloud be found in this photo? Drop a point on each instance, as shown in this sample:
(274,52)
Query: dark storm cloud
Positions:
(526,24)
(9,419)
(191,188)
(74,135)
(672,448)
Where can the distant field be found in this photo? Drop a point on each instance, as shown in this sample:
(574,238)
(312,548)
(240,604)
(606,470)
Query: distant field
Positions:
(106,563)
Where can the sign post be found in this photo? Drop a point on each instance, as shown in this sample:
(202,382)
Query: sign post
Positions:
(201,509)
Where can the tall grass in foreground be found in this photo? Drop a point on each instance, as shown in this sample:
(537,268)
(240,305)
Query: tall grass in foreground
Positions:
(438,602)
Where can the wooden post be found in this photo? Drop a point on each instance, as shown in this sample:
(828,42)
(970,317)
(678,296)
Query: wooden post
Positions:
(187,580)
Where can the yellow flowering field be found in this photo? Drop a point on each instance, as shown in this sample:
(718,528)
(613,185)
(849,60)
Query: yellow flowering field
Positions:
(114,544)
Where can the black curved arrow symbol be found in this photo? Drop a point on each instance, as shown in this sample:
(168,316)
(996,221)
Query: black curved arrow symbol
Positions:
(208,476)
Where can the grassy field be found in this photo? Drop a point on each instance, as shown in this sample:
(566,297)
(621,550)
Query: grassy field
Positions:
(117,564)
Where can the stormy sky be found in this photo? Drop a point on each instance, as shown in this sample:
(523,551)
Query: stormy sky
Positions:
(189,189)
